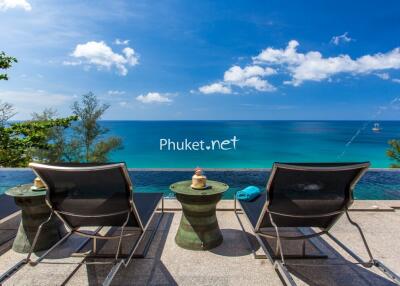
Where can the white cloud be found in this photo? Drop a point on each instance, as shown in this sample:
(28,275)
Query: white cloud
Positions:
(26,102)
(121,42)
(102,56)
(215,88)
(258,83)
(130,56)
(396,80)
(248,77)
(288,55)
(336,40)
(237,74)
(12,4)
(383,75)
(312,66)
(153,97)
(116,92)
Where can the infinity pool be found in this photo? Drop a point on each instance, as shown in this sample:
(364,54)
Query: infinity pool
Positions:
(377,184)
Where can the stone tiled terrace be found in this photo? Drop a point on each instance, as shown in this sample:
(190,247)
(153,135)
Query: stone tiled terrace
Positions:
(234,262)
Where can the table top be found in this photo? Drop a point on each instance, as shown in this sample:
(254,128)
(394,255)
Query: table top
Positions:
(25,191)
(184,188)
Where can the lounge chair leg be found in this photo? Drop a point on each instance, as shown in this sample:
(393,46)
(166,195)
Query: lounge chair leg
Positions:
(65,237)
(352,254)
(134,248)
(234,202)
(117,265)
(372,262)
(284,274)
(277,250)
(150,239)
(112,273)
(121,235)
(39,230)
(280,268)
(94,248)
(278,239)
(303,248)
(246,237)
(125,262)
(384,269)
(12,271)
(21,263)
(128,260)
(371,259)
(389,273)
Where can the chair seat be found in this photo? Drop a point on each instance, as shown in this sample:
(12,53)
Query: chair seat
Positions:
(146,204)
(253,208)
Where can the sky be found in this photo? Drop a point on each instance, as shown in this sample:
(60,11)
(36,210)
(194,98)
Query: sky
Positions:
(211,60)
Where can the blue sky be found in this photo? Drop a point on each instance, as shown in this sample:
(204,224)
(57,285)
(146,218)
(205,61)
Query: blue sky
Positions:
(176,60)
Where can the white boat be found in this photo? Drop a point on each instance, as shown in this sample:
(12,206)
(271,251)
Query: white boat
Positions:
(376,127)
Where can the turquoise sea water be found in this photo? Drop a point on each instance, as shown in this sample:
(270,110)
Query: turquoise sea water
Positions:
(260,143)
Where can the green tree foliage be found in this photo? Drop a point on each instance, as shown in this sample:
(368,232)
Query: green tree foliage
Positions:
(6,109)
(6,63)
(6,112)
(55,137)
(43,138)
(88,143)
(394,153)
(18,139)
(40,139)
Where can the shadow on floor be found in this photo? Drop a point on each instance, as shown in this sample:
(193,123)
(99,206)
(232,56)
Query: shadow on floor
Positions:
(8,231)
(335,270)
(7,206)
(234,243)
(9,227)
(147,271)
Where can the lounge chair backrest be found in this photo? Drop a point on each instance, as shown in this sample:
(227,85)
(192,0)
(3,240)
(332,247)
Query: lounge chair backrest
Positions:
(310,194)
(89,194)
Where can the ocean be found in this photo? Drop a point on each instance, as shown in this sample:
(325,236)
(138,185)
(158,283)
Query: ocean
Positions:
(244,144)
(249,144)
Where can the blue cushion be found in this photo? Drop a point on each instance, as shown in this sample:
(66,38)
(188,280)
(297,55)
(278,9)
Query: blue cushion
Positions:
(248,194)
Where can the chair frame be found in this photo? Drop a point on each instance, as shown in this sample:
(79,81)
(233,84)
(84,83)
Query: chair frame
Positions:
(278,260)
(119,259)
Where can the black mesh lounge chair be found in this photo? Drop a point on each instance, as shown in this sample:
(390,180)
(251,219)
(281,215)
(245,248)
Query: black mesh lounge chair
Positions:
(87,195)
(306,195)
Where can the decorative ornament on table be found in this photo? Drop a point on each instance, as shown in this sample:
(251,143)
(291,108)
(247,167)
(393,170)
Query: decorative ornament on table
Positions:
(38,184)
(199,181)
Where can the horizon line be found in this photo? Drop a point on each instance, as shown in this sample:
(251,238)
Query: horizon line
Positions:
(208,120)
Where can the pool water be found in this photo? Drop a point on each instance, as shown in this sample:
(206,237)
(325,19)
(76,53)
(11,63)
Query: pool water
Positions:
(377,184)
